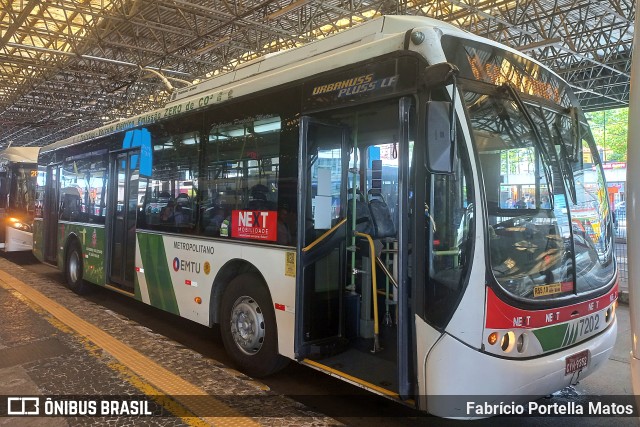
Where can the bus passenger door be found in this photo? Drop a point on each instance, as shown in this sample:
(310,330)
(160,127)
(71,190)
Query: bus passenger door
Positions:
(124,206)
(322,227)
(51,210)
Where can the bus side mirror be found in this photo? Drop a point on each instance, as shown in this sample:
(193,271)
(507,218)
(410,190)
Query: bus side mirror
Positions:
(440,146)
(441,120)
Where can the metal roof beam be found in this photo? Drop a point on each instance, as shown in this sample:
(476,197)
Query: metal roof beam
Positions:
(94,58)
(18,22)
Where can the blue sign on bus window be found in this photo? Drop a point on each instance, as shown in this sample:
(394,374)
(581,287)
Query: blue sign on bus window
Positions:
(374,154)
(140,138)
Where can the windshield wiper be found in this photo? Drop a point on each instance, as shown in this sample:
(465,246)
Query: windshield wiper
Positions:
(577,133)
(537,138)
(565,167)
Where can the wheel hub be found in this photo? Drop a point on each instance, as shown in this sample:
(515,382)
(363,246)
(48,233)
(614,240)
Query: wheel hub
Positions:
(74,266)
(247,325)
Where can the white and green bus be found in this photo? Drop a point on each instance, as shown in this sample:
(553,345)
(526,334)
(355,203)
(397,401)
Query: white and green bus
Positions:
(402,205)
(18,171)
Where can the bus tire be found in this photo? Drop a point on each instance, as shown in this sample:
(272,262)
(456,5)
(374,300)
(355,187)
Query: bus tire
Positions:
(248,327)
(73,269)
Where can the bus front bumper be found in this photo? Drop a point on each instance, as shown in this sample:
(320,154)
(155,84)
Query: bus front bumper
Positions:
(457,374)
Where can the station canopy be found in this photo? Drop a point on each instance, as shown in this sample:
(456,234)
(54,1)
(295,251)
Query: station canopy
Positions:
(68,66)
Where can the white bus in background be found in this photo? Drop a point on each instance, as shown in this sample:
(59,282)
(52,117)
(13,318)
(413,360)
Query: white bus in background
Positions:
(18,170)
(398,205)
(632,217)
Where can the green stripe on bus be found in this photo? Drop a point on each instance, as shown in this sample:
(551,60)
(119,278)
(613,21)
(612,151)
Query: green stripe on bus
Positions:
(156,271)
(575,334)
(551,337)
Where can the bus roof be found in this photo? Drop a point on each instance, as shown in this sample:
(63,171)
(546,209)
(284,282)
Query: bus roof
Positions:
(19,155)
(358,35)
(284,66)
(384,34)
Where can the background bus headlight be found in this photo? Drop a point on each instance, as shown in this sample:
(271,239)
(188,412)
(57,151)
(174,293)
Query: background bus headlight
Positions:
(16,223)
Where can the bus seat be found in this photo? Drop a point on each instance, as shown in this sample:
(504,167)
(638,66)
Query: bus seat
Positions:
(382,222)
(259,199)
(183,199)
(362,214)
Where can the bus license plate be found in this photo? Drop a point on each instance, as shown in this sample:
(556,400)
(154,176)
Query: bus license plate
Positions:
(575,362)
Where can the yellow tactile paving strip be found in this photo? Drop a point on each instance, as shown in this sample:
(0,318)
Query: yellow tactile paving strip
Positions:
(150,371)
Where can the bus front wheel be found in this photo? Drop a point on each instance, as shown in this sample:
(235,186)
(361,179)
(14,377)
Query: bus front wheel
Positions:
(74,269)
(248,327)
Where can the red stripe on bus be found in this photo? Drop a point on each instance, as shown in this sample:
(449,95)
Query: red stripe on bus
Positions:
(500,315)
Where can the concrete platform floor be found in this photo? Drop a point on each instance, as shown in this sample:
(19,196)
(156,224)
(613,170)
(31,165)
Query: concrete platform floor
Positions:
(43,352)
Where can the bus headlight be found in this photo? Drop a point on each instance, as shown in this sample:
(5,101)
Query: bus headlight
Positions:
(508,341)
(19,225)
(521,344)
(610,313)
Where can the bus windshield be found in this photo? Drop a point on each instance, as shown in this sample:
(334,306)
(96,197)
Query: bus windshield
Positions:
(528,221)
(549,224)
(543,227)
(21,179)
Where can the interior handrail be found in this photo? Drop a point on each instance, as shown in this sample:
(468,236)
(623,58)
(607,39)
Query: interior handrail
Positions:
(324,235)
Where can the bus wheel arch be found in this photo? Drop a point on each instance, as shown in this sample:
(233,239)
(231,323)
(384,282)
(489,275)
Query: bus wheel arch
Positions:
(74,266)
(225,275)
(248,325)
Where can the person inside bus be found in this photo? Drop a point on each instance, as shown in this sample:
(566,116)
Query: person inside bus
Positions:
(213,218)
(531,203)
(520,204)
(508,204)
(170,212)
(166,215)
(173,214)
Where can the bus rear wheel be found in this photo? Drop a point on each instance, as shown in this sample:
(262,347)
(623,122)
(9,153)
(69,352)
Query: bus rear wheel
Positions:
(74,270)
(248,327)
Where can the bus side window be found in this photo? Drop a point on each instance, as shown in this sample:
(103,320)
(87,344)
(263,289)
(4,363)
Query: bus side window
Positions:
(449,219)
(70,207)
